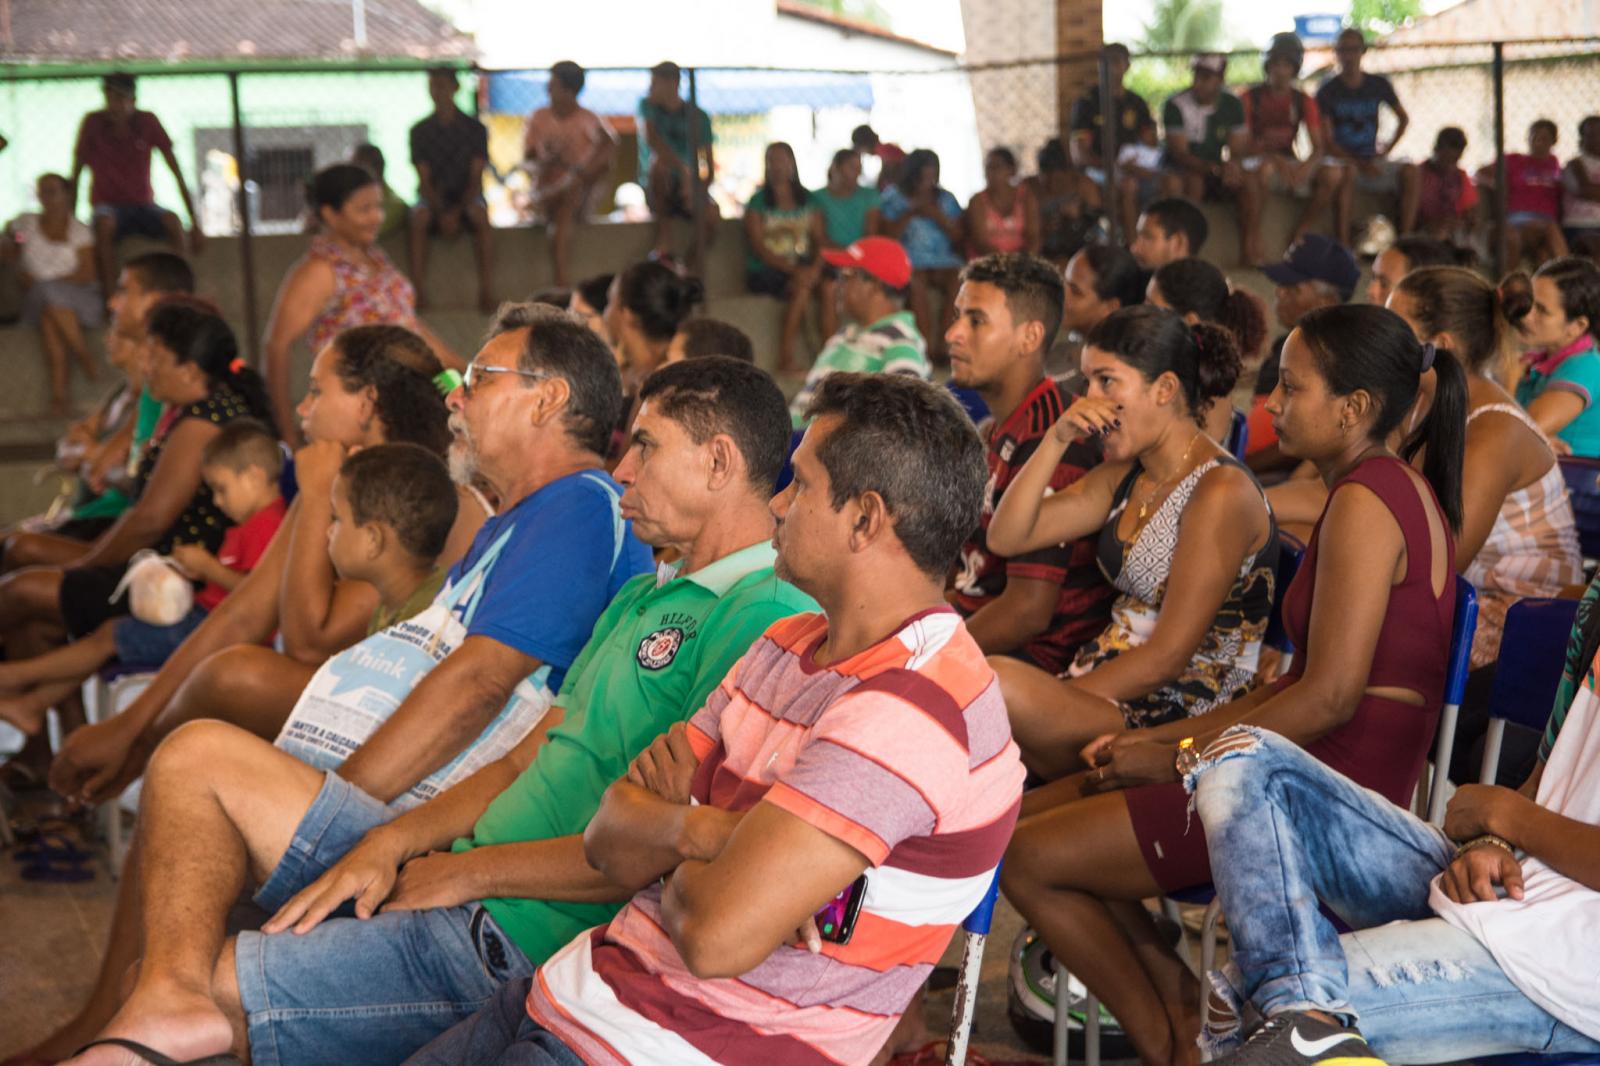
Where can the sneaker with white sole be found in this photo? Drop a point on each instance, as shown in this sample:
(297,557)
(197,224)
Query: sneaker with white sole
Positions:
(1296,1038)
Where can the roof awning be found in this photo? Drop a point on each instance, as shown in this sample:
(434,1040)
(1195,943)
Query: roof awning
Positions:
(720,92)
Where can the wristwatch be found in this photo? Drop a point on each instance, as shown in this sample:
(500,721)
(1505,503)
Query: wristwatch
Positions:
(1188,760)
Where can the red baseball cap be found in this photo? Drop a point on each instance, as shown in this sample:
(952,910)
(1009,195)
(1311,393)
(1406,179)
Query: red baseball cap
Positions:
(882,257)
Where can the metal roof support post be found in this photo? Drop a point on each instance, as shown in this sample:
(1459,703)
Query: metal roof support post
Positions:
(697,194)
(1498,72)
(1108,148)
(247,259)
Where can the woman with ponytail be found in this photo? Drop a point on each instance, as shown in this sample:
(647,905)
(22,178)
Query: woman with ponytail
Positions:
(1370,614)
(646,305)
(1200,293)
(1518,536)
(1185,536)
(1562,375)
(193,367)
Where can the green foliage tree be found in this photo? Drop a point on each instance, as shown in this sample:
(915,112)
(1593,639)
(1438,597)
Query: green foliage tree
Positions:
(1375,18)
(1184,26)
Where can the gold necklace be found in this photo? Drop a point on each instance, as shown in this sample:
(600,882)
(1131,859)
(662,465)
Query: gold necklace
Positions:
(1144,508)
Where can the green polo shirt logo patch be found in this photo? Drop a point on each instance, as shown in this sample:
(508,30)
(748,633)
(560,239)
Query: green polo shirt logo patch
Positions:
(658,649)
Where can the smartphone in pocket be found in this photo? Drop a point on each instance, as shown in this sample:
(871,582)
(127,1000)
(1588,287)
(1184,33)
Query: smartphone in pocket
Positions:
(837,918)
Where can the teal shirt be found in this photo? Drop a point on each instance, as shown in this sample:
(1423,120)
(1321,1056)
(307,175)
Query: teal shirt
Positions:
(845,217)
(1579,374)
(656,654)
(674,129)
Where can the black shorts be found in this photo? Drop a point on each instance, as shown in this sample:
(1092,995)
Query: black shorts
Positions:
(766,281)
(86,598)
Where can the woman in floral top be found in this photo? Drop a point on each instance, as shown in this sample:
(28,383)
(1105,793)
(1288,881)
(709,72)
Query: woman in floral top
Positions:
(343,280)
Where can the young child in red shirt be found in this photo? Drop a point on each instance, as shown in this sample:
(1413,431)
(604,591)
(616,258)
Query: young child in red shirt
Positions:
(1436,196)
(241,465)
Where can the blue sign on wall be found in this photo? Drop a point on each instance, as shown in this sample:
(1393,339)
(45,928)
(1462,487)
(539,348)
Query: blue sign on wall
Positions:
(1317,28)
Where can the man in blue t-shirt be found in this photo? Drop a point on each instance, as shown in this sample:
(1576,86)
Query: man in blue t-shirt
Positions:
(1351,102)
(531,418)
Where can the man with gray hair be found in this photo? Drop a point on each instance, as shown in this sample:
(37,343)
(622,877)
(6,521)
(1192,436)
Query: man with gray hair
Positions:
(221,806)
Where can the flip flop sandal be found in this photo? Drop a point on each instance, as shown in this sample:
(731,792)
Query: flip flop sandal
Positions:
(57,871)
(156,1058)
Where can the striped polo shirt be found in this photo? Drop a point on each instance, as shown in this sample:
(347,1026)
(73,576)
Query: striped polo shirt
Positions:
(902,751)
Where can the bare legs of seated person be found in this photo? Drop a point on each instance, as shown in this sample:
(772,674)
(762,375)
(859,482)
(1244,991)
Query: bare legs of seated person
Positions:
(1076,873)
(254,688)
(1052,720)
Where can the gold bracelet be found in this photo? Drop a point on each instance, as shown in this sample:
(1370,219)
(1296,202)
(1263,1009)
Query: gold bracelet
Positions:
(1486,838)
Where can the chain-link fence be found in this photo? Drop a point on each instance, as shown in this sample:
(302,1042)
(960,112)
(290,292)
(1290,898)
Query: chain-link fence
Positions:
(246,140)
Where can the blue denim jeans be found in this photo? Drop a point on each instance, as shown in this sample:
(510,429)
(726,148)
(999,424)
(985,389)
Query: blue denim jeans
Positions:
(501,1034)
(1286,832)
(362,991)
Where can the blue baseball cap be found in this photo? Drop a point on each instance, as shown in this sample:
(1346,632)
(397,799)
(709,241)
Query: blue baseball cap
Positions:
(1317,258)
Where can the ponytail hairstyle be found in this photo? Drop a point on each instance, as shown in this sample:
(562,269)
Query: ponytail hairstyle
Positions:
(1362,347)
(1116,273)
(194,331)
(658,298)
(1193,286)
(333,185)
(1461,303)
(1154,341)
(399,367)
(1579,282)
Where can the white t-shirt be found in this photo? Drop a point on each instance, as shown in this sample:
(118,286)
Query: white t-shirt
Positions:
(1575,210)
(44,259)
(1548,943)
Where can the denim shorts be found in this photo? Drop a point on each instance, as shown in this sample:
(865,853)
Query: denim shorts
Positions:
(360,991)
(136,220)
(143,644)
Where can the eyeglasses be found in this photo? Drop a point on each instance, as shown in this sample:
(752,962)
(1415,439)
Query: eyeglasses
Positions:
(474,369)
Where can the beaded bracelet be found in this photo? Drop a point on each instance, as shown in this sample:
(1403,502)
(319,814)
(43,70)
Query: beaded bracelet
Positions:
(1486,838)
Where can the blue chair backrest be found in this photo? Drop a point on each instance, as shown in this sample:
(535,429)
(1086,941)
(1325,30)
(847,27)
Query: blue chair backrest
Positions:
(1583,481)
(1532,655)
(970,401)
(983,914)
(786,475)
(1461,631)
(1239,434)
(1290,552)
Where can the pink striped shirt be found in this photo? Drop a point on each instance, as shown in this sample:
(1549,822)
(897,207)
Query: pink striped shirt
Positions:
(904,752)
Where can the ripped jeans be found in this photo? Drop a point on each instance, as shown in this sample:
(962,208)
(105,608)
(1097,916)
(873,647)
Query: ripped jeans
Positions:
(1286,832)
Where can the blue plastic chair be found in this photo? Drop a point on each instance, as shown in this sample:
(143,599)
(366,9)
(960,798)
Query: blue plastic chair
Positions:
(1583,482)
(1533,653)
(1239,434)
(1455,686)
(970,401)
(1462,629)
(976,933)
(786,475)
(1290,554)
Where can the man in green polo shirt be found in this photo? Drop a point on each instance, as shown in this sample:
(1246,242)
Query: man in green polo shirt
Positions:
(880,336)
(481,883)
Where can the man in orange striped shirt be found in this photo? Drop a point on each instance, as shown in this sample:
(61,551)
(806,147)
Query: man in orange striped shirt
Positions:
(868,743)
